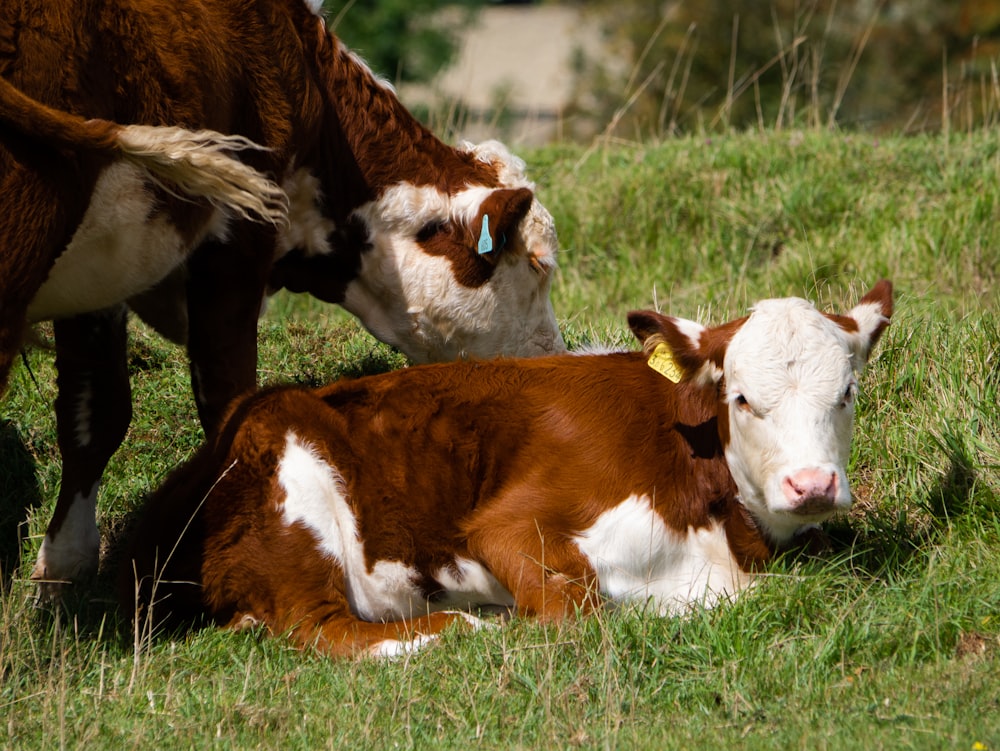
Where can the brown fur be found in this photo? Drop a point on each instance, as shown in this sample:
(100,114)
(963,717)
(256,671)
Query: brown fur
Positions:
(265,69)
(501,462)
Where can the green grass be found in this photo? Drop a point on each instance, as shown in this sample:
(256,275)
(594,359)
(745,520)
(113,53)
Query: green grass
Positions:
(891,640)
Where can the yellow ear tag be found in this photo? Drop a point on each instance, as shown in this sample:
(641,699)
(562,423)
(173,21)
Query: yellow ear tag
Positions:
(663,362)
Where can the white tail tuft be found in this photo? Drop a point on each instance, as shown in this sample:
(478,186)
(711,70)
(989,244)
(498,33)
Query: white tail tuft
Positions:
(196,164)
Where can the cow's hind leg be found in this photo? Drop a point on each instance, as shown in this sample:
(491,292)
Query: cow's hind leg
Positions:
(333,629)
(225,292)
(93,410)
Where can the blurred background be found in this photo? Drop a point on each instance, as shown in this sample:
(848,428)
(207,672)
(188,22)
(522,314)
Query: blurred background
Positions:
(536,72)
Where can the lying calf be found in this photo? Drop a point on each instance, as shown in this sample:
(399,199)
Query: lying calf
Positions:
(356,515)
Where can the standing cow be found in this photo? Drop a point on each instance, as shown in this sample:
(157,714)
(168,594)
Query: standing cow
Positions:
(352,516)
(442,252)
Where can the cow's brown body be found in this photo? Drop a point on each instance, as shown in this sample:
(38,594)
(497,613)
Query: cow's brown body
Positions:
(354,514)
(335,137)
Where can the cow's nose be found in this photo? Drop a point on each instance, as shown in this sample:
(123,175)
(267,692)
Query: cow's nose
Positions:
(810,490)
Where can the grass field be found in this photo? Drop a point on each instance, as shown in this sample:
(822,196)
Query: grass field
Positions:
(891,640)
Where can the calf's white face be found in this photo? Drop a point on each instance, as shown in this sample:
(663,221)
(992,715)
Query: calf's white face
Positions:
(790,386)
(788,380)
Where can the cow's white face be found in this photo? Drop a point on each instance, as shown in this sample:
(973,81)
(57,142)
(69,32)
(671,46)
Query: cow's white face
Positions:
(424,287)
(439,276)
(790,384)
(788,381)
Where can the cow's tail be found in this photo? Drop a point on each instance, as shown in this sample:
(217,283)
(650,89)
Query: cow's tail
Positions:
(192,164)
(198,163)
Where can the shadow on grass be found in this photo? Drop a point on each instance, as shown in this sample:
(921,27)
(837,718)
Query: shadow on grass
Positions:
(87,604)
(91,605)
(19,494)
(960,491)
(889,541)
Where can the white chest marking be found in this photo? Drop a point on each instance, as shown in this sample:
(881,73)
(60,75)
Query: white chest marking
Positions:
(315,497)
(121,248)
(636,557)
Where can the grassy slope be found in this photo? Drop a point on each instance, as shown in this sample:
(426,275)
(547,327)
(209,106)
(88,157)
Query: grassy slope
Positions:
(891,640)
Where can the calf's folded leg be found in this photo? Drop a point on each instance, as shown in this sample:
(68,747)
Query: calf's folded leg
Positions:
(543,569)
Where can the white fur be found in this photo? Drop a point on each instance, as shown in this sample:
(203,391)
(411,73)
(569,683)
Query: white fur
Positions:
(468,585)
(83,416)
(412,300)
(307,228)
(124,245)
(793,366)
(76,547)
(511,168)
(390,648)
(315,497)
(637,558)
(709,372)
(121,248)
(198,164)
(359,62)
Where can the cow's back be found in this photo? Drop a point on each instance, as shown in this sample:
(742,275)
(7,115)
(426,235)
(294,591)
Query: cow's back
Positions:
(156,62)
(438,442)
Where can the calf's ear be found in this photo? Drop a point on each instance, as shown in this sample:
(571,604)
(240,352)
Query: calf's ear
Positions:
(697,350)
(671,345)
(866,321)
(499,214)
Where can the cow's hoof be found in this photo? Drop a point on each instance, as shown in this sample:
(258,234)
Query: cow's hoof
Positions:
(394,648)
(57,567)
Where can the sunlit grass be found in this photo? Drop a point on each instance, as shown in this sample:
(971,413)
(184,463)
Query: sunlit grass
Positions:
(890,640)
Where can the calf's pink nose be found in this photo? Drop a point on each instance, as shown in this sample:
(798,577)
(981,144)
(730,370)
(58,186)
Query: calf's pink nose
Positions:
(810,485)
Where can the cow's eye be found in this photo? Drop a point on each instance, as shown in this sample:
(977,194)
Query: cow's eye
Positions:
(849,393)
(429,230)
(742,403)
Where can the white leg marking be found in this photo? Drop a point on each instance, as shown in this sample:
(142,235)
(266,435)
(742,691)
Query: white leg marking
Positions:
(75,550)
(83,417)
(396,648)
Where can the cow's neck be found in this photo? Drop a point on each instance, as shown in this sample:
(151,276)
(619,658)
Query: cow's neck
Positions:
(378,143)
(750,546)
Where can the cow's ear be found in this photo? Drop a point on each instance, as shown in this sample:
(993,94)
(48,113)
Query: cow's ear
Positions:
(499,214)
(671,345)
(698,351)
(866,321)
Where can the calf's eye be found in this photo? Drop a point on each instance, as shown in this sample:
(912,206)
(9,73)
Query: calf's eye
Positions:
(849,393)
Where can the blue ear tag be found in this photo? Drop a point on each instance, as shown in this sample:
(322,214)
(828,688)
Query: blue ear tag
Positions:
(485,241)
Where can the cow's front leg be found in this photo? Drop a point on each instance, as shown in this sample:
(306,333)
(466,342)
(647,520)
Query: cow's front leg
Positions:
(93,410)
(225,292)
(544,569)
